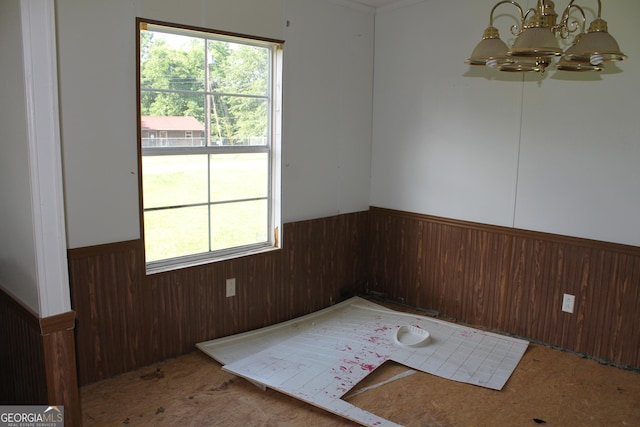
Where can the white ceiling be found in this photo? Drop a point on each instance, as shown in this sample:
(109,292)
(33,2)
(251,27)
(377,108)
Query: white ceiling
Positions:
(376,3)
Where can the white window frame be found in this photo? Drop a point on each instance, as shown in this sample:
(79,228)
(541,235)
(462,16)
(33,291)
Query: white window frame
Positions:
(273,148)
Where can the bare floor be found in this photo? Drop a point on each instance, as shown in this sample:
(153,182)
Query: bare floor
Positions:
(548,387)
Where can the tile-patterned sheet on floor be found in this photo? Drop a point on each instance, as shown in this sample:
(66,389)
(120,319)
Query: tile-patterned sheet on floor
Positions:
(318,358)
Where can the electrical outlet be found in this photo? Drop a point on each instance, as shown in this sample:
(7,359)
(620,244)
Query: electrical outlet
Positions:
(567,303)
(231,287)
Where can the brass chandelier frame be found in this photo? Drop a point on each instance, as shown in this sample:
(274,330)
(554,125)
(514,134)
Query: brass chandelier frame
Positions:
(536,42)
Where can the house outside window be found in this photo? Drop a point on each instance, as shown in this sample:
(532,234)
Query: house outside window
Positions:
(172,131)
(209,119)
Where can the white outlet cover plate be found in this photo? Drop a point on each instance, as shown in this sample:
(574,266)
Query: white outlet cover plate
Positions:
(568,302)
(231,287)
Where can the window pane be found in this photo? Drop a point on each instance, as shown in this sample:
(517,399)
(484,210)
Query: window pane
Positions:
(174,180)
(239,176)
(238,69)
(239,120)
(166,117)
(176,232)
(169,61)
(238,224)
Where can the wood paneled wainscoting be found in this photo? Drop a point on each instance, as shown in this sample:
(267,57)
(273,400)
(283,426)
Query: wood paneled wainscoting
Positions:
(512,281)
(37,360)
(127,319)
(501,278)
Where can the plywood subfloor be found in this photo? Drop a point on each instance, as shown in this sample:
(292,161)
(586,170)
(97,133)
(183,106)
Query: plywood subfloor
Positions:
(556,387)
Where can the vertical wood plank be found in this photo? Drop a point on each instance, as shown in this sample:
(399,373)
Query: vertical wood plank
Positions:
(37,359)
(62,381)
(110,301)
(22,363)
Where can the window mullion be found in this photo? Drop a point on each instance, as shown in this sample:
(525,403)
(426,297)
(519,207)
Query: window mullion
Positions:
(207,126)
(215,149)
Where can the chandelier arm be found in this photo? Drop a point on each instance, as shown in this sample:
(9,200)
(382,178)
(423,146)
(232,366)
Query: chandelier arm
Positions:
(567,11)
(504,2)
(599,8)
(532,10)
(566,27)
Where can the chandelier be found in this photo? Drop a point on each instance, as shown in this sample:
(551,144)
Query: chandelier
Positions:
(536,43)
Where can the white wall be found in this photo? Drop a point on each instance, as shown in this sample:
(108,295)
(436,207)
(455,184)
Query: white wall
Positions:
(327,103)
(557,154)
(17,251)
(96,62)
(583,177)
(327,108)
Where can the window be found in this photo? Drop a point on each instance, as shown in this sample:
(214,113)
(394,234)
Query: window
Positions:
(213,196)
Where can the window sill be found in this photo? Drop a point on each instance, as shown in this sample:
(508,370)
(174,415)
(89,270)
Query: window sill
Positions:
(199,262)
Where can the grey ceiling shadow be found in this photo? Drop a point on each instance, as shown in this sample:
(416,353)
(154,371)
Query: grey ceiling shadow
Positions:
(488,73)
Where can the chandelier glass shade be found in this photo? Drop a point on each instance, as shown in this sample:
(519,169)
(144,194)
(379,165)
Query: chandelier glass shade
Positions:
(537,41)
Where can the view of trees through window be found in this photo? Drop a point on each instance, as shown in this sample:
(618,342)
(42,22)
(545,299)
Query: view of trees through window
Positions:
(176,70)
(206,120)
